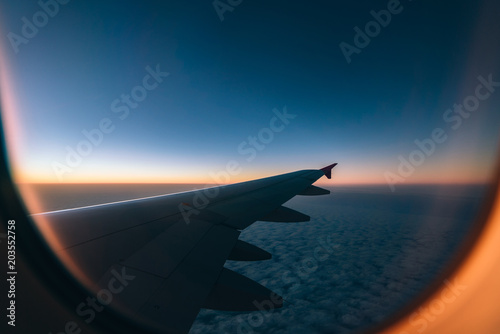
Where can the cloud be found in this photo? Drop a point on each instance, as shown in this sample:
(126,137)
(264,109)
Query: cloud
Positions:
(383,251)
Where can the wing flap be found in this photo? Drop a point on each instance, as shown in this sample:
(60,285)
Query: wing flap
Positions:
(286,215)
(182,294)
(314,191)
(235,292)
(243,251)
(164,253)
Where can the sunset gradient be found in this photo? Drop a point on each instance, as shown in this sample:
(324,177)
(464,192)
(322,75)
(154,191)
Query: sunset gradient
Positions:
(174,102)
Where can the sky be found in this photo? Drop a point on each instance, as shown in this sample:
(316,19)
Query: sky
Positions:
(183,92)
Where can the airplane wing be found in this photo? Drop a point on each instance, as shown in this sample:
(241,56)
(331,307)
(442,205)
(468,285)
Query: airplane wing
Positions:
(161,259)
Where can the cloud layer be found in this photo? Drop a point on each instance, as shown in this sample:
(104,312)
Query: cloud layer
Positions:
(364,254)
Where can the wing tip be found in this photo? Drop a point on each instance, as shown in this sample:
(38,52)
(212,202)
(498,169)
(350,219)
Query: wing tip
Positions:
(328,170)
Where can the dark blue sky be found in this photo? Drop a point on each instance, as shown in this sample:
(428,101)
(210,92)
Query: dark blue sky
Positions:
(226,77)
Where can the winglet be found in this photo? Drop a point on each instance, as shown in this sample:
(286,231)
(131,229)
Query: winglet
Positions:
(328,170)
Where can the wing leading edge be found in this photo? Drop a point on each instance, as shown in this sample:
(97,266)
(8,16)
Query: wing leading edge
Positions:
(173,247)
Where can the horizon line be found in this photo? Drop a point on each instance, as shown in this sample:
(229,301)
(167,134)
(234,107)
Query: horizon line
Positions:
(211,184)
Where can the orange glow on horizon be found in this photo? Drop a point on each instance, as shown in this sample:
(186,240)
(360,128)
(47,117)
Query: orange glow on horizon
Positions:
(434,173)
(209,182)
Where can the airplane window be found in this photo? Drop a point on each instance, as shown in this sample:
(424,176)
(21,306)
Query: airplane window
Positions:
(245,167)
